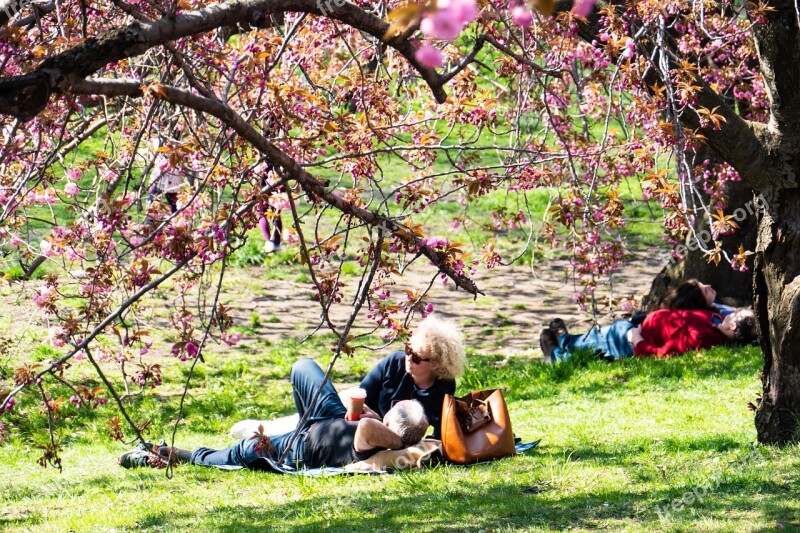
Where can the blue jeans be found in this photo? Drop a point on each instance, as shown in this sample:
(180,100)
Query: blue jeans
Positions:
(306,378)
(611,341)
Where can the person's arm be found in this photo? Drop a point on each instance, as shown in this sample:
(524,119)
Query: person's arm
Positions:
(369,413)
(372,434)
(644,348)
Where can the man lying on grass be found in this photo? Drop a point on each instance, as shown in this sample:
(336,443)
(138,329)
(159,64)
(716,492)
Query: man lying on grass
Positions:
(326,439)
(663,333)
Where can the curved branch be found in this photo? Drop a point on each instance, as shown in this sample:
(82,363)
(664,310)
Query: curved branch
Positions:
(277,157)
(15,6)
(745,145)
(26,95)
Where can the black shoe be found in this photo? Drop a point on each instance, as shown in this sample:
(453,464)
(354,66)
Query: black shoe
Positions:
(558,327)
(547,341)
(138,458)
(146,446)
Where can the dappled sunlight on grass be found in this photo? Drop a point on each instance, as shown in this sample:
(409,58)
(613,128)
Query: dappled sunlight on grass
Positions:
(621,443)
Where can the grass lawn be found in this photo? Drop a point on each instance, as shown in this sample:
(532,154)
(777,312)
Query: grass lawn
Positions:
(640,445)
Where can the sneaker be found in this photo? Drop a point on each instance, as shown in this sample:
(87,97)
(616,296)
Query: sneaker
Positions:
(547,341)
(138,458)
(146,446)
(558,327)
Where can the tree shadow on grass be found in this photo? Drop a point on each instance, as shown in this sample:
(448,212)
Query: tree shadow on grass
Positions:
(450,499)
(611,454)
(501,505)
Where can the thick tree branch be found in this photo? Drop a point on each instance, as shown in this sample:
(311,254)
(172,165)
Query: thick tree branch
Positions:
(39,9)
(25,96)
(276,157)
(745,146)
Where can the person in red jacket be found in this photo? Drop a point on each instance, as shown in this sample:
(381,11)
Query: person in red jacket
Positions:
(663,333)
(674,331)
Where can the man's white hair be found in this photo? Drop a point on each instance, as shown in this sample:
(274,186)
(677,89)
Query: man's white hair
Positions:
(407,419)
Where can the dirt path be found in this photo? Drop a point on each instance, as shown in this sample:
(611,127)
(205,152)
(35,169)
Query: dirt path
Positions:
(507,320)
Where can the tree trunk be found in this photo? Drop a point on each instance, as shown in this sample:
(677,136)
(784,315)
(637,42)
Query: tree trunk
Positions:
(777,273)
(669,277)
(777,299)
(733,287)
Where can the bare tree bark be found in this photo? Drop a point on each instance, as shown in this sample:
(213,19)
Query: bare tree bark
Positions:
(777,276)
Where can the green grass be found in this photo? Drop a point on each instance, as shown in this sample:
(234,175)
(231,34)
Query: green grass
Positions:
(622,445)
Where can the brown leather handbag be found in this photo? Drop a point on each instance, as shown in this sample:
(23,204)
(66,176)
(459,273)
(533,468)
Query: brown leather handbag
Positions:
(476,427)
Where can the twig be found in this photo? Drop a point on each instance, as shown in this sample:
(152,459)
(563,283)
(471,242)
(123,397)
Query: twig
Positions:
(342,340)
(114,394)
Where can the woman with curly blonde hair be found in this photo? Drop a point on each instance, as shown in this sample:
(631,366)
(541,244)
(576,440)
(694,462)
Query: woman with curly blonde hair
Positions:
(424,371)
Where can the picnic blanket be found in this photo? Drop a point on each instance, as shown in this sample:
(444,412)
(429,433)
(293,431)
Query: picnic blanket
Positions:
(426,453)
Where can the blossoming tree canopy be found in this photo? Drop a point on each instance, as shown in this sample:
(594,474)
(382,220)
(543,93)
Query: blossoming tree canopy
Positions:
(357,118)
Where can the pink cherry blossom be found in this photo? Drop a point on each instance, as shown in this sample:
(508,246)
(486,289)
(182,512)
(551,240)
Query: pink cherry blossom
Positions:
(74,174)
(56,335)
(42,295)
(71,189)
(46,248)
(192,349)
(522,17)
(465,11)
(627,53)
(441,25)
(428,56)
(582,8)
(280,202)
(231,339)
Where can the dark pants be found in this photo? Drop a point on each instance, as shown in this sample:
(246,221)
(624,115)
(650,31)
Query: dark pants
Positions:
(306,378)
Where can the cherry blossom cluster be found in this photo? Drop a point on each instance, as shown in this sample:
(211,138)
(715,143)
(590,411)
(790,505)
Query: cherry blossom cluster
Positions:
(542,105)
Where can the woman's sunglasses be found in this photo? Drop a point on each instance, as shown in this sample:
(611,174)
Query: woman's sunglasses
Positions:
(414,357)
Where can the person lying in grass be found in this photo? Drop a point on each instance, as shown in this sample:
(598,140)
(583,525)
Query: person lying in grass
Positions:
(425,370)
(326,438)
(663,333)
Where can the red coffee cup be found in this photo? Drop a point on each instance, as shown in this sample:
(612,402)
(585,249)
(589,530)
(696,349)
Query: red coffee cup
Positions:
(355,404)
